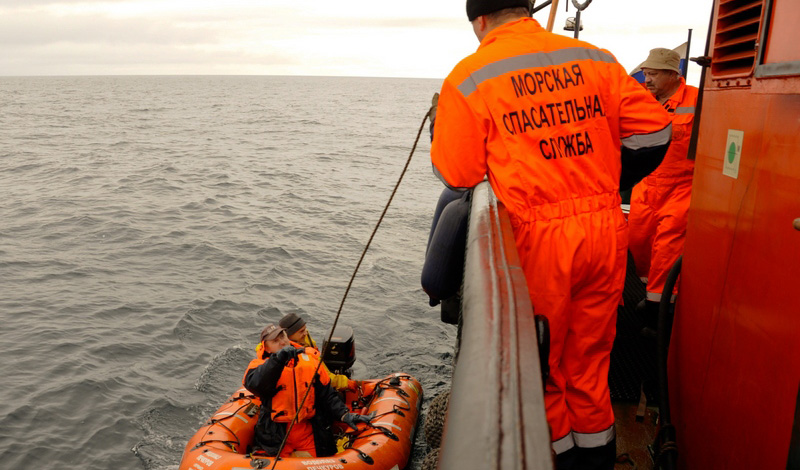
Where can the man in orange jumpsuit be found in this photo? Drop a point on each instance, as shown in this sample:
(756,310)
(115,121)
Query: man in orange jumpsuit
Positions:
(558,127)
(660,202)
(280,376)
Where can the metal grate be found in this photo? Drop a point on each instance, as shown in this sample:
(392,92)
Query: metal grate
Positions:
(633,358)
(736,38)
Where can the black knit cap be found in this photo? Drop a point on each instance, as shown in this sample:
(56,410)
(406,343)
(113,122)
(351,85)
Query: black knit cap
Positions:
(476,8)
(292,322)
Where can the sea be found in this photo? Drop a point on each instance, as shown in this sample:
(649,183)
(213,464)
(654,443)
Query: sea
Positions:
(150,226)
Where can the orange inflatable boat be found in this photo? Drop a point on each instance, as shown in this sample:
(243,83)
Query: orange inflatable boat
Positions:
(223,442)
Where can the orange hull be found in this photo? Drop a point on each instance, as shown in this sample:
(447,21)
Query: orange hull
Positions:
(224,440)
(734,354)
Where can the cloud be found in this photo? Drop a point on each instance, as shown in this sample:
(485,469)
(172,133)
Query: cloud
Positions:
(421,24)
(38,3)
(42,29)
(138,59)
(414,38)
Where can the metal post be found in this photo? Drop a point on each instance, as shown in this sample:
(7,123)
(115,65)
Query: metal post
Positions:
(535,9)
(686,59)
(552,18)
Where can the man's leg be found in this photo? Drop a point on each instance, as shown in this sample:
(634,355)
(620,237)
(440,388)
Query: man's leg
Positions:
(547,272)
(597,290)
(300,441)
(642,224)
(669,239)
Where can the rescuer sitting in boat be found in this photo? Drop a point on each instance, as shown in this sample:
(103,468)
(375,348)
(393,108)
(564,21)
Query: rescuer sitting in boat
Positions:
(280,376)
(297,331)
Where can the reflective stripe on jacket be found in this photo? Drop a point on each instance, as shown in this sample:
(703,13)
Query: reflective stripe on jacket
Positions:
(680,107)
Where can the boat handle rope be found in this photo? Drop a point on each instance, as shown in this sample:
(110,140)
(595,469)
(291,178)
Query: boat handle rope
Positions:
(350,284)
(230,444)
(381,430)
(402,395)
(395,410)
(363,456)
(213,421)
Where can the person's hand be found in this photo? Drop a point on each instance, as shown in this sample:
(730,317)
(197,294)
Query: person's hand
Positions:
(352,419)
(288,353)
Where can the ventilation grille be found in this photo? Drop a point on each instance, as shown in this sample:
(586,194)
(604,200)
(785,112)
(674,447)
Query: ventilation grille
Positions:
(736,38)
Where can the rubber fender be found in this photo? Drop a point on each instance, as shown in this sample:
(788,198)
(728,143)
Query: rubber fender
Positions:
(444,261)
(447,196)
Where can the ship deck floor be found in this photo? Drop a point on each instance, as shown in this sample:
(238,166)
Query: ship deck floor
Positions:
(633,375)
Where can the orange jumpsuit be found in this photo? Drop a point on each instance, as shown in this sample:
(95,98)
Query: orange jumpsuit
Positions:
(544,116)
(660,202)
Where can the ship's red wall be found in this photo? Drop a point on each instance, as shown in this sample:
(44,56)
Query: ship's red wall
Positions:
(735,352)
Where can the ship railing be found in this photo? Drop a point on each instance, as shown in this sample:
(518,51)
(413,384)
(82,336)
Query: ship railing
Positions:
(496,414)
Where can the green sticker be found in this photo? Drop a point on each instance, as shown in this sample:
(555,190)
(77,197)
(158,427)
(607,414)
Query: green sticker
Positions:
(732,152)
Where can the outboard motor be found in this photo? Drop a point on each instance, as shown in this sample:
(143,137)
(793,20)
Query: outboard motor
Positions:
(340,355)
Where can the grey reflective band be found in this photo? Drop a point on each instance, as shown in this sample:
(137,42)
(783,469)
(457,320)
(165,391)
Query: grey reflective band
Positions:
(654,139)
(564,444)
(684,110)
(391,398)
(656,297)
(441,178)
(533,60)
(595,439)
(391,425)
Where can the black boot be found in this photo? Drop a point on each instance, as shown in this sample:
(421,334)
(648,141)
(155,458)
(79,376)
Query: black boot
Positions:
(649,316)
(597,458)
(566,460)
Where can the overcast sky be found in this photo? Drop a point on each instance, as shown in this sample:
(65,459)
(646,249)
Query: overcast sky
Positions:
(406,38)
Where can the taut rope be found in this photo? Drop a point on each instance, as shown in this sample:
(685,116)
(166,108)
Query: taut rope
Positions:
(349,284)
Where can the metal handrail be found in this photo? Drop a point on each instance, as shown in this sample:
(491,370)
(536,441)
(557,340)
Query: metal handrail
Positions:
(496,415)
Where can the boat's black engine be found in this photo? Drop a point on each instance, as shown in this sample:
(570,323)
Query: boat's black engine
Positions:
(340,354)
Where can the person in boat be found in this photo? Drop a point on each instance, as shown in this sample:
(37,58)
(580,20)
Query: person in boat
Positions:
(297,331)
(280,376)
(559,128)
(660,202)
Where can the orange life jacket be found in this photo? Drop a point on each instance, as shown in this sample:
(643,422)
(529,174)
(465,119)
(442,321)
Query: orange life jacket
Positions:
(296,379)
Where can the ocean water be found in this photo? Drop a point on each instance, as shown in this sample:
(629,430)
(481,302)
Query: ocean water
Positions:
(151,226)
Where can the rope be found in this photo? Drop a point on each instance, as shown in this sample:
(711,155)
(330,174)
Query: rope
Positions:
(212,422)
(626,458)
(352,278)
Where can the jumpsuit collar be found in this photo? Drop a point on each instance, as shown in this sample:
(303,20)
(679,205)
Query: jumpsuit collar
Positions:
(511,28)
(674,101)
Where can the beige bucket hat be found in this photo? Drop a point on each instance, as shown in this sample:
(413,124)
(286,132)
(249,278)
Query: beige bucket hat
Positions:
(663,59)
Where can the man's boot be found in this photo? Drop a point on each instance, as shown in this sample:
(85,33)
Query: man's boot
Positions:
(597,458)
(649,316)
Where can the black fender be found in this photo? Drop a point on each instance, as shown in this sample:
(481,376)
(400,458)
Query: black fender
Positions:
(443,270)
